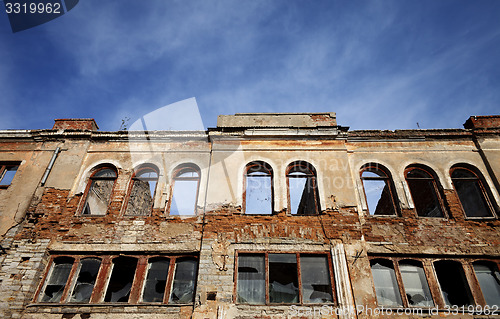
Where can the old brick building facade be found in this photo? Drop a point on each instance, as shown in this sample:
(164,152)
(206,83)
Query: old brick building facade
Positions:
(264,216)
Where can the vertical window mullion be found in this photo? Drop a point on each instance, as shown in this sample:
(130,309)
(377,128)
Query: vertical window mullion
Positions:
(399,279)
(71,279)
(299,277)
(102,280)
(333,284)
(170,279)
(139,277)
(266,256)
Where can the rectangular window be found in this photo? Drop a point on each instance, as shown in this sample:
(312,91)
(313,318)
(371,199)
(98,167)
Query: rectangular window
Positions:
(7,172)
(273,278)
(119,279)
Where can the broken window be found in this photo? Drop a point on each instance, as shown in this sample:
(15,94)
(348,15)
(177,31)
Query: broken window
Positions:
(379,190)
(251,279)
(283,284)
(184,281)
(122,277)
(472,192)
(488,276)
(316,283)
(142,193)
(386,285)
(258,189)
(415,284)
(7,172)
(424,192)
(87,275)
(453,282)
(156,280)
(59,274)
(185,191)
(99,191)
(302,189)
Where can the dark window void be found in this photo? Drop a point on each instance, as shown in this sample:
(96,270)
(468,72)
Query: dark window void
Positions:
(121,280)
(454,286)
(415,284)
(386,285)
(58,277)
(7,173)
(471,192)
(156,280)
(142,193)
(283,279)
(379,191)
(489,280)
(99,192)
(302,189)
(184,281)
(258,191)
(424,192)
(185,192)
(316,283)
(87,275)
(251,279)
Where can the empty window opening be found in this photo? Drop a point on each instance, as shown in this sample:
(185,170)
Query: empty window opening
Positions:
(185,192)
(7,173)
(99,192)
(315,275)
(156,280)
(258,189)
(379,191)
(386,285)
(122,277)
(87,275)
(302,189)
(184,281)
(453,282)
(283,279)
(142,193)
(471,192)
(251,279)
(415,284)
(489,280)
(424,192)
(58,278)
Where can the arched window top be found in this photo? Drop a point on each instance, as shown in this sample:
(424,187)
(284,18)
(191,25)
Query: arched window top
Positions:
(374,170)
(419,171)
(258,168)
(465,171)
(105,172)
(146,172)
(187,171)
(301,168)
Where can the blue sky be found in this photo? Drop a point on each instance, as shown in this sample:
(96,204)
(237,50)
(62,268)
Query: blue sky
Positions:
(379,64)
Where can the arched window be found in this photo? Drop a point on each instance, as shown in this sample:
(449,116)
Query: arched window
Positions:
(98,192)
(184,192)
(302,189)
(488,276)
(258,188)
(471,191)
(379,190)
(142,192)
(424,191)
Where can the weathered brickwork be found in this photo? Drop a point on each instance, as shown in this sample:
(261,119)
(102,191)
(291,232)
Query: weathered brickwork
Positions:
(44,221)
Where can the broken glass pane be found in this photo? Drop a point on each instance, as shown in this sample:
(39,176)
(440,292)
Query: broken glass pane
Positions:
(58,279)
(378,194)
(415,284)
(258,193)
(453,283)
(489,280)
(283,280)
(184,281)
(251,279)
(8,175)
(470,193)
(98,197)
(423,192)
(184,197)
(121,280)
(85,282)
(302,194)
(156,280)
(386,285)
(316,287)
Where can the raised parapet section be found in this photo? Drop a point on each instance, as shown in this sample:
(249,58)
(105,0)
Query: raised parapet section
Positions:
(281,120)
(75,124)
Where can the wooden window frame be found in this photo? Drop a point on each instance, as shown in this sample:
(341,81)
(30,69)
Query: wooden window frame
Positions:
(175,177)
(4,166)
(305,166)
(299,276)
(374,167)
(435,186)
(104,275)
(270,172)
(90,181)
